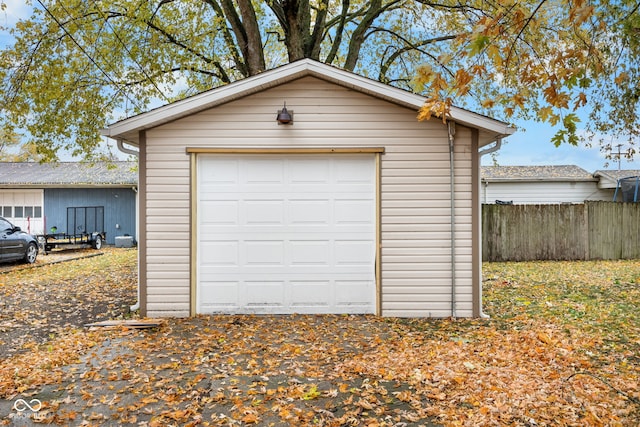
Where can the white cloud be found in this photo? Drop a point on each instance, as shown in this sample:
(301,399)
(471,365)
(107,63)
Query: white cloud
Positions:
(14,11)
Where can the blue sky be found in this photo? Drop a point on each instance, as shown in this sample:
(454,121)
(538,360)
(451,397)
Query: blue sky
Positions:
(532,145)
(529,146)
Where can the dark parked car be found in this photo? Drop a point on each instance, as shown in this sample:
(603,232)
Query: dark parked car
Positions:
(15,244)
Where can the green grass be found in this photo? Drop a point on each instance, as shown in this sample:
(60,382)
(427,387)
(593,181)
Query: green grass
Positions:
(596,301)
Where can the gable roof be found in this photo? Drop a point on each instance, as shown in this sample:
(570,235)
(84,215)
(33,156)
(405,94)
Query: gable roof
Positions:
(128,129)
(67,174)
(535,173)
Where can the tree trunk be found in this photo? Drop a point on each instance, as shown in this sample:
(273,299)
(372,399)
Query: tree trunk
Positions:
(295,19)
(247,32)
(254,53)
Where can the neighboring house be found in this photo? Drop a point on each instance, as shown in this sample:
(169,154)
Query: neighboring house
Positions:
(346,209)
(541,185)
(37,196)
(608,180)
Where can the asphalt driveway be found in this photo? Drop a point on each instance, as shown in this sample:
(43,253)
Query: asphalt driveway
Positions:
(239,370)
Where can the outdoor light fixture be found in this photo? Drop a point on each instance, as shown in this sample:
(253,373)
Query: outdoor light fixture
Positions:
(285,117)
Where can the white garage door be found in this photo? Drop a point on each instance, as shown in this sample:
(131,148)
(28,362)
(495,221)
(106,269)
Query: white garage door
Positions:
(286,234)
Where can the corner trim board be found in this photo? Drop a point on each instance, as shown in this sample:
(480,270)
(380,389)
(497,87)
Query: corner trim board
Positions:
(193,226)
(142,230)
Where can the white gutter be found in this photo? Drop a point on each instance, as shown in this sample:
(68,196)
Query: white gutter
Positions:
(120,143)
(121,147)
(451,130)
(491,149)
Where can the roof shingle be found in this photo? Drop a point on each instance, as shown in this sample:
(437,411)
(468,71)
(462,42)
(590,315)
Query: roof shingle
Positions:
(68,174)
(617,174)
(535,173)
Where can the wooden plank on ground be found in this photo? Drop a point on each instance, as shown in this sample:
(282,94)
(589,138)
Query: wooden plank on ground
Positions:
(128,324)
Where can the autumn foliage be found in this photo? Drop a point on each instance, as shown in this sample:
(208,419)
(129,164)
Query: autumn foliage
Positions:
(73,66)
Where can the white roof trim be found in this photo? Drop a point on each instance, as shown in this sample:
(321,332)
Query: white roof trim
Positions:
(127,129)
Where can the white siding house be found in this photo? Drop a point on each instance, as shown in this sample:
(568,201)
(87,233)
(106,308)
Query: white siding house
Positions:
(23,208)
(541,185)
(608,181)
(347,209)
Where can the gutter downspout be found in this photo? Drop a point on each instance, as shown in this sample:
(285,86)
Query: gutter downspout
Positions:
(491,149)
(121,147)
(480,154)
(451,130)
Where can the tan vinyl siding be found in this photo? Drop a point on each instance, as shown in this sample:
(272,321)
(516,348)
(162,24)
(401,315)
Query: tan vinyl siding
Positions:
(416,233)
(415,207)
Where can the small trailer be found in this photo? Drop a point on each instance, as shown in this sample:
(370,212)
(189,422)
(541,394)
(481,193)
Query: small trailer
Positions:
(85,228)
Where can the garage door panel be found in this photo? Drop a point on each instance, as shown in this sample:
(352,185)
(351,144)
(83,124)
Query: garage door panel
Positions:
(265,172)
(258,212)
(310,252)
(219,252)
(322,292)
(286,235)
(353,211)
(353,252)
(348,172)
(223,212)
(263,253)
(221,172)
(309,171)
(352,293)
(309,212)
(265,293)
(224,293)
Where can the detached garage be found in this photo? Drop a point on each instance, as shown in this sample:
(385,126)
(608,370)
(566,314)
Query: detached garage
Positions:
(286,233)
(344,205)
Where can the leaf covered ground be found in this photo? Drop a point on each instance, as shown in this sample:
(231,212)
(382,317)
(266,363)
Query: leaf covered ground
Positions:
(38,304)
(562,347)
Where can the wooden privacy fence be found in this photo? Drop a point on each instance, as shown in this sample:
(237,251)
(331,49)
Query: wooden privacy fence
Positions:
(593,230)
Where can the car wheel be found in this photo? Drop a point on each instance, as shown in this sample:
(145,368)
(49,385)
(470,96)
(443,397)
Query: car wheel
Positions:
(31,254)
(97,242)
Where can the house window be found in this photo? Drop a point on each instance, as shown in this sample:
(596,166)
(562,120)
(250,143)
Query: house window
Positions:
(21,211)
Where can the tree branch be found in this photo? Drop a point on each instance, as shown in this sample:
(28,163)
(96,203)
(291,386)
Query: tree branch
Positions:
(409,46)
(339,31)
(315,42)
(357,38)
(526,24)
(228,39)
(173,40)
